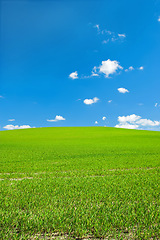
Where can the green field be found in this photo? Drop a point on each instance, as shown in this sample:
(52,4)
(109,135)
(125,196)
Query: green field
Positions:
(95,182)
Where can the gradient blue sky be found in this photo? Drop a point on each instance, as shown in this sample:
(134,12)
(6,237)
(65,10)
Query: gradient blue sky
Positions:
(43,42)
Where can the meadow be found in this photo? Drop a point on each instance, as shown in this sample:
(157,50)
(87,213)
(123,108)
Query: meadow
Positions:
(80,182)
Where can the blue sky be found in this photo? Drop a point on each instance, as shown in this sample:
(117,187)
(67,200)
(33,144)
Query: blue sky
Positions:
(76,62)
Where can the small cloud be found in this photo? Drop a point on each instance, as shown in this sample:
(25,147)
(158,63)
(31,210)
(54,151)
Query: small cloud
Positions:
(105,41)
(131,68)
(156,104)
(109,67)
(109,101)
(140,104)
(74,75)
(91,101)
(94,72)
(96,26)
(11,120)
(57,118)
(159,19)
(1,96)
(96,122)
(12,127)
(122,35)
(122,90)
(141,68)
(103,118)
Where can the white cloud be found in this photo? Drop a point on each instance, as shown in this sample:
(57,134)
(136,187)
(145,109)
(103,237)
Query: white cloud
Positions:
(109,101)
(122,35)
(134,121)
(74,75)
(159,19)
(127,125)
(57,118)
(109,34)
(131,68)
(12,127)
(96,122)
(122,90)
(94,72)
(96,26)
(91,101)
(141,68)
(131,118)
(148,122)
(103,118)
(156,104)
(109,67)
(11,120)
(105,41)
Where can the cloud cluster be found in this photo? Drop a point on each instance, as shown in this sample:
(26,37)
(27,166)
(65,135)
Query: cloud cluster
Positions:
(74,75)
(12,127)
(122,90)
(91,101)
(56,119)
(131,68)
(106,68)
(111,36)
(134,122)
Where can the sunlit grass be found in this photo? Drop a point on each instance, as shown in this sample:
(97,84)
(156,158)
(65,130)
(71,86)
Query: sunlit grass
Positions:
(97,182)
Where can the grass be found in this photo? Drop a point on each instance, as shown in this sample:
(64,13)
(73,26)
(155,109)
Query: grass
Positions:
(80,182)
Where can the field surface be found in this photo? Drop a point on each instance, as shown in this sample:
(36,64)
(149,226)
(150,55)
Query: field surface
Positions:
(84,182)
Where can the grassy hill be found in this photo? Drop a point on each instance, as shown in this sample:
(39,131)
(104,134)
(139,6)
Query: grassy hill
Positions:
(80,182)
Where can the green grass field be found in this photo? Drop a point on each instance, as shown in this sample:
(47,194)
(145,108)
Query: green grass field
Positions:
(95,182)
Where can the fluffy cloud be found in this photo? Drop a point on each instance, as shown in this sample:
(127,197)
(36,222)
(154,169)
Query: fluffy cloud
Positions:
(109,67)
(131,118)
(11,120)
(141,68)
(159,19)
(57,118)
(91,101)
(103,118)
(109,101)
(74,75)
(12,127)
(156,104)
(122,90)
(96,122)
(134,121)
